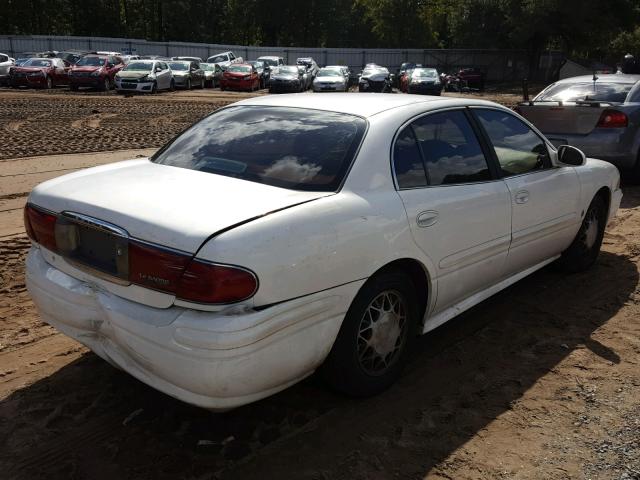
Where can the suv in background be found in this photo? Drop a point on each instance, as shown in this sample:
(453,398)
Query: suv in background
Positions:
(224,59)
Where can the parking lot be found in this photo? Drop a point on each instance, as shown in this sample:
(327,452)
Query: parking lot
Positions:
(540,381)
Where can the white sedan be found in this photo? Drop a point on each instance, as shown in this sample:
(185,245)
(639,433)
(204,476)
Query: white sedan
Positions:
(285,234)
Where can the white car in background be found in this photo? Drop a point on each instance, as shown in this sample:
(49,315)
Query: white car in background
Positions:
(144,76)
(224,59)
(285,234)
(330,80)
(6,62)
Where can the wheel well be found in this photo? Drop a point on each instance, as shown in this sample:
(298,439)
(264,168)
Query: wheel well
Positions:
(605,193)
(418,275)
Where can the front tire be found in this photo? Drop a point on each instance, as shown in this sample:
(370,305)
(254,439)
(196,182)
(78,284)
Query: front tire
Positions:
(188,84)
(49,83)
(375,338)
(584,250)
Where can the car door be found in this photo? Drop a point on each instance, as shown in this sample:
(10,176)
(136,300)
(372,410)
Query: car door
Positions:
(458,209)
(162,77)
(544,198)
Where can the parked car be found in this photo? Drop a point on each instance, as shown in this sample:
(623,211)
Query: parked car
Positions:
(145,76)
(188,59)
(375,79)
(472,77)
(241,76)
(212,74)
(402,71)
(126,59)
(95,71)
(307,78)
(187,75)
(600,115)
(154,57)
(6,62)
(310,64)
(330,80)
(224,59)
(40,73)
(271,61)
(72,56)
(288,78)
(264,72)
(344,69)
(288,243)
(421,80)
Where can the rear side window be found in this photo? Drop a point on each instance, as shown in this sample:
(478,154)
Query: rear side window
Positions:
(518,148)
(407,160)
(4,58)
(285,147)
(575,92)
(451,150)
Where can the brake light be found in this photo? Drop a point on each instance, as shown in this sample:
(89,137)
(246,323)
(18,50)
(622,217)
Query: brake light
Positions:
(612,119)
(40,227)
(188,279)
(205,282)
(154,267)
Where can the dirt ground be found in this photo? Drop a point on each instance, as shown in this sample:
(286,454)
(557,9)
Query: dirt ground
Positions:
(539,382)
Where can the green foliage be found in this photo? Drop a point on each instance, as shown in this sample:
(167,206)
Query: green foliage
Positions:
(585,28)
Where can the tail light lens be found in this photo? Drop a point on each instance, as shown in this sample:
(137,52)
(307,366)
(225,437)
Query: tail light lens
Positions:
(613,119)
(163,269)
(40,227)
(205,282)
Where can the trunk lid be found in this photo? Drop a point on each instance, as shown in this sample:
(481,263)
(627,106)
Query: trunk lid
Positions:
(556,118)
(171,206)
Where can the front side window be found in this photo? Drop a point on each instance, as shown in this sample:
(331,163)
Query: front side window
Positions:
(451,150)
(4,58)
(518,148)
(292,148)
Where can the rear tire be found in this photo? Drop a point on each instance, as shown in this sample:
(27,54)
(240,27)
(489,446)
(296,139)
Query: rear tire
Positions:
(154,88)
(584,250)
(172,86)
(375,337)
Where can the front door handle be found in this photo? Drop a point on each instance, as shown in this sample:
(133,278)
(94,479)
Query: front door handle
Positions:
(427,218)
(522,197)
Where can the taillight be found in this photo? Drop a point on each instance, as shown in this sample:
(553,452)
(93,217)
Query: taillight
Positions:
(40,227)
(613,119)
(205,282)
(188,279)
(155,267)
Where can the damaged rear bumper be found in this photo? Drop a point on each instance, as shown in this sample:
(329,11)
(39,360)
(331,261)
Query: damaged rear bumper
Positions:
(217,360)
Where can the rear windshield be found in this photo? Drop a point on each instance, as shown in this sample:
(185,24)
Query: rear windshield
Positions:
(573,92)
(285,147)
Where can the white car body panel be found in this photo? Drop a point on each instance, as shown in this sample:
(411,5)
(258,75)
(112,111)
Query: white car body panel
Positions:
(312,252)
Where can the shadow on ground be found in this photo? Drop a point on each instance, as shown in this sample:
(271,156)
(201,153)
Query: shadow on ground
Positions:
(89,420)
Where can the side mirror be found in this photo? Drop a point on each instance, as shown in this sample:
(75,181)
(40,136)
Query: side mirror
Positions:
(571,155)
(158,69)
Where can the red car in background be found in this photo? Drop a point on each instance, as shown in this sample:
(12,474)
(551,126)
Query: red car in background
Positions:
(473,77)
(40,73)
(97,71)
(240,76)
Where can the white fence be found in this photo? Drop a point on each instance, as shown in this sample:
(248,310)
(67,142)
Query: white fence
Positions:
(498,65)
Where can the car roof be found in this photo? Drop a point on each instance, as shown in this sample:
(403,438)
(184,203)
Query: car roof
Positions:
(270,57)
(603,78)
(365,105)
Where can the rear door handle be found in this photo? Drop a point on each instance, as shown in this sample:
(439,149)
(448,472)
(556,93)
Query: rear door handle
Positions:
(427,218)
(522,197)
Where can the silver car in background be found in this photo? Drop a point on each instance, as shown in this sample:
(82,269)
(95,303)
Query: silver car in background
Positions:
(330,80)
(187,75)
(144,76)
(6,62)
(598,114)
(212,74)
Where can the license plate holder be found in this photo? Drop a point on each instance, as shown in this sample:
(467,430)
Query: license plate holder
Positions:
(93,244)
